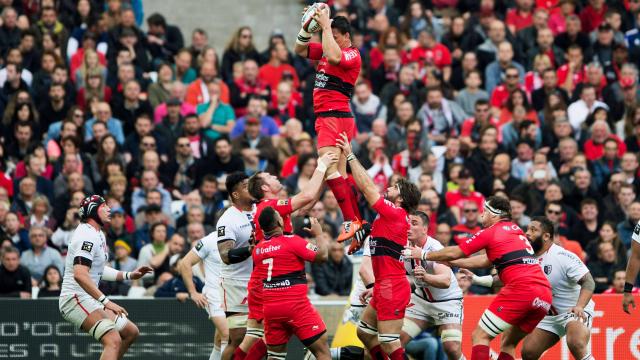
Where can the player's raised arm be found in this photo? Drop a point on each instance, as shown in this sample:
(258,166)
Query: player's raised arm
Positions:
(311,191)
(322,252)
(330,47)
(360,175)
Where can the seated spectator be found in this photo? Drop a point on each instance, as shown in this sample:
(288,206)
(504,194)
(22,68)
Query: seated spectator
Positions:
(158,239)
(306,166)
(15,279)
(143,235)
(150,182)
(256,149)
(286,103)
(442,117)
(580,189)
(118,231)
(470,226)
(51,283)
(455,199)
(197,92)
(334,276)
(40,215)
(303,145)
(174,287)
(502,92)
(169,254)
(468,97)
(626,228)
(40,255)
(121,262)
(579,110)
(498,69)
(71,164)
(24,197)
(608,233)
(277,68)
(23,140)
(131,106)
(163,40)
(240,47)
(366,107)
(103,114)
(194,215)
(604,267)
(13,230)
(518,209)
(216,117)
(617,286)
(594,146)
(61,237)
(548,87)
(586,231)
(472,127)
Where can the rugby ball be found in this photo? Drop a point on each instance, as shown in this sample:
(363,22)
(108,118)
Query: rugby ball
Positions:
(309,24)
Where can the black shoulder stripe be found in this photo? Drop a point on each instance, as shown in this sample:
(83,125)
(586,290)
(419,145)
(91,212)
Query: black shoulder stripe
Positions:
(82,261)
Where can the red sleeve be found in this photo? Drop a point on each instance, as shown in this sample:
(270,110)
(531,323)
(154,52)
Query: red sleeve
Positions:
(386,209)
(510,18)
(475,243)
(315,51)
(303,249)
(350,58)
(283,207)
(562,74)
(495,100)
(446,57)
(448,199)
(467,126)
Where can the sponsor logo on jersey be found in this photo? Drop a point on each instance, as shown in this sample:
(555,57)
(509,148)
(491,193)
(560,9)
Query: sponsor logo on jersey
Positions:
(351,54)
(221,231)
(199,245)
(270,248)
(283,202)
(539,303)
(636,230)
(547,269)
(87,246)
(312,247)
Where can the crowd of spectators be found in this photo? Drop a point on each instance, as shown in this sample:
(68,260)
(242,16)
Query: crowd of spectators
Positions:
(533,100)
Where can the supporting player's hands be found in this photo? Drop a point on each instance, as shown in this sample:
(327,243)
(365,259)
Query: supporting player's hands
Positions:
(366,295)
(322,17)
(419,273)
(467,273)
(627,299)
(578,311)
(140,272)
(412,252)
(199,299)
(182,296)
(344,144)
(117,309)
(315,229)
(328,159)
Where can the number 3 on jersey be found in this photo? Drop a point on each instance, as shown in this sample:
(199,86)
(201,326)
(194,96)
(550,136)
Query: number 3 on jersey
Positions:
(268,261)
(522,237)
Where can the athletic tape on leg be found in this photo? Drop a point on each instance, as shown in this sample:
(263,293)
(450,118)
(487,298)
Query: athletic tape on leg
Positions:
(451,335)
(388,338)
(276,355)
(237,321)
(101,327)
(364,327)
(255,332)
(492,324)
(121,322)
(412,329)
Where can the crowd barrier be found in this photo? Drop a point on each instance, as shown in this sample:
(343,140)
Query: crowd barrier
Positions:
(33,329)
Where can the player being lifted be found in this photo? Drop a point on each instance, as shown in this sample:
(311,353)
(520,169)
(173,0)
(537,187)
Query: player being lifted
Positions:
(206,251)
(81,302)
(336,75)
(526,296)
(234,237)
(287,309)
(437,298)
(265,188)
(572,308)
(381,322)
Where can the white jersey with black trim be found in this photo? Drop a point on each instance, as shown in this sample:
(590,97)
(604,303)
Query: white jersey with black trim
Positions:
(238,226)
(90,244)
(359,287)
(425,291)
(564,269)
(635,236)
(207,251)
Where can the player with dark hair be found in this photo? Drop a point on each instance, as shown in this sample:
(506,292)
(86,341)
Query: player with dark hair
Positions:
(572,310)
(81,302)
(525,298)
(381,322)
(235,238)
(287,309)
(338,69)
(265,189)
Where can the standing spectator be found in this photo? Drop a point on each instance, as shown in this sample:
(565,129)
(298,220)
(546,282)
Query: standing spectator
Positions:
(163,40)
(334,276)
(239,48)
(40,255)
(216,117)
(366,107)
(51,283)
(197,92)
(274,71)
(15,279)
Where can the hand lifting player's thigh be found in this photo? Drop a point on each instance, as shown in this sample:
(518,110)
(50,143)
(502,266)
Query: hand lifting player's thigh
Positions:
(451,337)
(537,343)
(510,339)
(367,327)
(411,327)
(578,338)
(389,334)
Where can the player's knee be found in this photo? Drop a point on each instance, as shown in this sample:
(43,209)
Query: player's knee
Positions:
(528,353)
(389,342)
(480,336)
(132,332)
(452,349)
(576,345)
(112,340)
(366,333)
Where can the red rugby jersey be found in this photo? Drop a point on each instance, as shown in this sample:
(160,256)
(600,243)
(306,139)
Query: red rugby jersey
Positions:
(389,236)
(334,84)
(282,259)
(509,250)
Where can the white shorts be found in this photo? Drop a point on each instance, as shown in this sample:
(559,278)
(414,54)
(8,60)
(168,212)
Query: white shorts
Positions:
(234,295)
(214,298)
(435,313)
(76,308)
(557,324)
(353,314)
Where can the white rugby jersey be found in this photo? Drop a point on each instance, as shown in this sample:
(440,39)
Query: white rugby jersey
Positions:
(636,233)
(427,292)
(359,287)
(564,269)
(88,243)
(236,225)
(207,250)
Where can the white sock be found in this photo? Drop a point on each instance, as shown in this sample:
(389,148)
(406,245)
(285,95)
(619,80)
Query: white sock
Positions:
(335,175)
(216,354)
(588,357)
(335,353)
(462,357)
(223,345)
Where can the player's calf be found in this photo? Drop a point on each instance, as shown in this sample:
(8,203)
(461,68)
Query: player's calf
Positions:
(111,343)
(578,340)
(320,348)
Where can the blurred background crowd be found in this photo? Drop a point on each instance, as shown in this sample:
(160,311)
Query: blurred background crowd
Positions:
(533,100)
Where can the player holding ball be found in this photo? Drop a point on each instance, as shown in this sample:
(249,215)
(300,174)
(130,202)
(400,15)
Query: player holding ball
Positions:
(336,74)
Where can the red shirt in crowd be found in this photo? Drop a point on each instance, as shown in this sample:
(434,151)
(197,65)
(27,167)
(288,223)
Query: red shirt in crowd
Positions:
(593,151)
(272,75)
(518,19)
(438,55)
(592,18)
(456,198)
(500,95)
(462,232)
